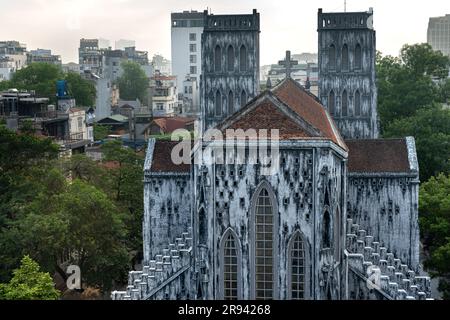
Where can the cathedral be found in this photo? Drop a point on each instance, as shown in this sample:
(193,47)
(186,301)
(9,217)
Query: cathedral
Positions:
(337,220)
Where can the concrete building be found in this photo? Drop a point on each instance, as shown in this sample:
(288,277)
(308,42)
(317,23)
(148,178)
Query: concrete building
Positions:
(71,67)
(438,35)
(161,64)
(163,95)
(13,57)
(190,97)
(186,34)
(90,56)
(43,56)
(104,43)
(123,43)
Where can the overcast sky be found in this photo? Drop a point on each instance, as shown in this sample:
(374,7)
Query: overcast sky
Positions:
(285,24)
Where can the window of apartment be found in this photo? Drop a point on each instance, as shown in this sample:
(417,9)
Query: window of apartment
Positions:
(190,89)
(160,106)
(193,58)
(193,47)
(185,89)
(80,123)
(192,36)
(193,70)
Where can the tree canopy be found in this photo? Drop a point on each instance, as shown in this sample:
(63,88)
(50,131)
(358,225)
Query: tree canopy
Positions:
(133,84)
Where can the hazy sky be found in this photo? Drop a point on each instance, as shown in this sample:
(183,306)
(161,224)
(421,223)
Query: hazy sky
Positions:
(285,24)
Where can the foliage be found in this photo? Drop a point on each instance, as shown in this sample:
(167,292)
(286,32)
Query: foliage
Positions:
(431,128)
(29,283)
(82,90)
(133,84)
(101,131)
(410,82)
(435,225)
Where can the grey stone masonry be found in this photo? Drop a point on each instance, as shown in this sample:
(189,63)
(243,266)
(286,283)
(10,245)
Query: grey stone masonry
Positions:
(381,270)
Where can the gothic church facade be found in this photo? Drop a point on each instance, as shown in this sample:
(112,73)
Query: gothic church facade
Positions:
(339,218)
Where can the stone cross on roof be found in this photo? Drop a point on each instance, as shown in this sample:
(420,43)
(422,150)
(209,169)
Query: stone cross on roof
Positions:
(288,64)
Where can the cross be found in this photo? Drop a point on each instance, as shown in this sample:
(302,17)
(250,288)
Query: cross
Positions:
(288,63)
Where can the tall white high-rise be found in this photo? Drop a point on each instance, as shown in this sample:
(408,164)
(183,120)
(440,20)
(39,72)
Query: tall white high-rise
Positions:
(439,34)
(187,29)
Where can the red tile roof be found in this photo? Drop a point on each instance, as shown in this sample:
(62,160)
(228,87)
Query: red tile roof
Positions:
(162,161)
(170,124)
(375,156)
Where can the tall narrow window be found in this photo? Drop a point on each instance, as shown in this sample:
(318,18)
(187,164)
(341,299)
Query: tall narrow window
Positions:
(332,57)
(217,59)
(345,60)
(264,247)
(344,104)
(326,232)
(358,57)
(243,65)
(218,106)
(230,268)
(230,102)
(331,102)
(243,98)
(297,268)
(202,226)
(230,58)
(357,103)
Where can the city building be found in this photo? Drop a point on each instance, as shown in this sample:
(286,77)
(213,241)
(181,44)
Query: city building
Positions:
(161,64)
(334,219)
(43,56)
(163,95)
(90,56)
(438,35)
(13,57)
(186,36)
(71,67)
(190,97)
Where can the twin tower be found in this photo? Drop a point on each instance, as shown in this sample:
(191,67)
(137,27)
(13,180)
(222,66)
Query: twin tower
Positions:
(347,83)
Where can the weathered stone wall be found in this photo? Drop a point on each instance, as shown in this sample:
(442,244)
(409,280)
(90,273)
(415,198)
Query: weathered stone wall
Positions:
(386,206)
(225,31)
(351,29)
(306,171)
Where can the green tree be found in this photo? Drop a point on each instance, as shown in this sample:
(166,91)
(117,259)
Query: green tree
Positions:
(40,77)
(82,90)
(431,129)
(434,203)
(410,82)
(29,283)
(133,84)
(101,131)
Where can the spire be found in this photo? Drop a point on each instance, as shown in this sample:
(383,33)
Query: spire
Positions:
(307,84)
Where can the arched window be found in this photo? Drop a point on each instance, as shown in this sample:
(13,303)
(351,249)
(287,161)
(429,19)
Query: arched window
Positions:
(217,59)
(243,98)
(332,57)
(345,59)
(202,226)
(344,103)
(218,105)
(230,58)
(243,64)
(263,246)
(230,266)
(297,268)
(331,102)
(230,102)
(358,57)
(326,231)
(357,103)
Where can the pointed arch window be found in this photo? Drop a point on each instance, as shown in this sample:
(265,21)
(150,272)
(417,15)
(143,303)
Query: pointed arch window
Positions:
(243,98)
(326,231)
(357,103)
(218,104)
(344,103)
(264,244)
(217,59)
(230,58)
(230,263)
(230,102)
(202,226)
(345,58)
(243,64)
(358,57)
(332,57)
(297,268)
(331,102)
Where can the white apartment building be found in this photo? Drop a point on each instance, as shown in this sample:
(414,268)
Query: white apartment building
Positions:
(439,34)
(186,30)
(163,97)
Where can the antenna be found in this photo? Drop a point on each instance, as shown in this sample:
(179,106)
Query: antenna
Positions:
(345,5)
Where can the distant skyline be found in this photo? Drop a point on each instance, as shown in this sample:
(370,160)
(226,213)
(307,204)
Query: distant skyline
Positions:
(285,24)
